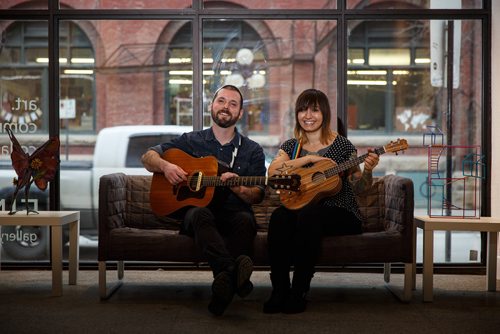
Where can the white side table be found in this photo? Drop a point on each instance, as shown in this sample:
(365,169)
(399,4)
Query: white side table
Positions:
(482,224)
(56,220)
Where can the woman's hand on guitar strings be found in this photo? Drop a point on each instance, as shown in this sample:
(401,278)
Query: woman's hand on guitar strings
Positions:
(371,161)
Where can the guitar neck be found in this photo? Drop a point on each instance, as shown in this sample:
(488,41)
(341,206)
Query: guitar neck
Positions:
(215,181)
(351,163)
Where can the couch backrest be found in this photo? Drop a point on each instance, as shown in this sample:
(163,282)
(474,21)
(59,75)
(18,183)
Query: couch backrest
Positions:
(371,204)
(139,214)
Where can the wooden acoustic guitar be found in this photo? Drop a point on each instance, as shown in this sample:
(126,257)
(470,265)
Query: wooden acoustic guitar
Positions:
(202,179)
(322,179)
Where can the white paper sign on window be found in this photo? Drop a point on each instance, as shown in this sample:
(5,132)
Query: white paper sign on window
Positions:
(439,45)
(67,109)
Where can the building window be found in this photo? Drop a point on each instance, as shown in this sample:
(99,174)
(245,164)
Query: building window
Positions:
(388,78)
(233,53)
(24,76)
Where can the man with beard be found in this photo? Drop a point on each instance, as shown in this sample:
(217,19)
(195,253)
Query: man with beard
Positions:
(226,228)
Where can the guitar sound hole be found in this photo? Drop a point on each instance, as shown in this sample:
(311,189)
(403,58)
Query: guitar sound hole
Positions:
(193,181)
(318,177)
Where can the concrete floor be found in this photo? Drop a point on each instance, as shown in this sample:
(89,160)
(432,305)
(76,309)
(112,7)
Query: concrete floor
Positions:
(160,301)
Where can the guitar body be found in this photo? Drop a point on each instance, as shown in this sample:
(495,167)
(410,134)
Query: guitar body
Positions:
(166,198)
(314,185)
(322,179)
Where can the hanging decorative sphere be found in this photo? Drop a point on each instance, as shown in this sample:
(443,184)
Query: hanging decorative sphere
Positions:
(244,57)
(235,79)
(256,81)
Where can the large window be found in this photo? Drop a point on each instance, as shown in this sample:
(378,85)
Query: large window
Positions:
(388,74)
(131,72)
(24,76)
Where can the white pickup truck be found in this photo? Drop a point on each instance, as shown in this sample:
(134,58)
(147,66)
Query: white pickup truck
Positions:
(117,149)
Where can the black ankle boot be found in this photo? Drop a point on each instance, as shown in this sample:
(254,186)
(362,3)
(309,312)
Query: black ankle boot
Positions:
(297,302)
(277,302)
(281,292)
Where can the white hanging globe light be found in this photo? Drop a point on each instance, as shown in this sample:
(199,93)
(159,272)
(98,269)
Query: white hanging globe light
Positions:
(235,79)
(256,81)
(244,57)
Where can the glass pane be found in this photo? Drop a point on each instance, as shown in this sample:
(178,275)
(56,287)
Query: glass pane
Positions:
(77,79)
(273,4)
(416,4)
(271,61)
(128,4)
(24,110)
(397,87)
(117,86)
(17,4)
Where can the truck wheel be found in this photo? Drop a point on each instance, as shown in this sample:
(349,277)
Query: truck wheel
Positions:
(25,242)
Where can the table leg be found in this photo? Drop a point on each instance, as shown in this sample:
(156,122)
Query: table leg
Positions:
(74,251)
(1,248)
(491,262)
(56,232)
(414,264)
(428,264)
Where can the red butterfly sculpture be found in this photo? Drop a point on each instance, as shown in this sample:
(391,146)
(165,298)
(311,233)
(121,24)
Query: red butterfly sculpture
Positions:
(39,167)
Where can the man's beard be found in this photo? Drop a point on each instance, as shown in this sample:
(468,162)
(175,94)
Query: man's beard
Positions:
(224,123)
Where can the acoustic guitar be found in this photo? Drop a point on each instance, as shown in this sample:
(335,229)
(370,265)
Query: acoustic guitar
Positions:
(322,179)
(202,179)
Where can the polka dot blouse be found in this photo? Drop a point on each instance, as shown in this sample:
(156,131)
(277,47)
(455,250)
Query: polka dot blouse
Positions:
(339,151)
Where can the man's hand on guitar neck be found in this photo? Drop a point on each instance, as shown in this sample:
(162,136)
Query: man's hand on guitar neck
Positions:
(250,195)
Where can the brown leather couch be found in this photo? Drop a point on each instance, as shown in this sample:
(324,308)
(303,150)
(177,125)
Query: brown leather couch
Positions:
(130,231)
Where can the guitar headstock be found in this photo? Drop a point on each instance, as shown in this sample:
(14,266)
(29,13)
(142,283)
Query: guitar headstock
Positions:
(396,146)
(287,181)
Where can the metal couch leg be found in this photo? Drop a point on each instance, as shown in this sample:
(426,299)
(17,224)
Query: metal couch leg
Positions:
(104,292)
(387,272)
(407,291)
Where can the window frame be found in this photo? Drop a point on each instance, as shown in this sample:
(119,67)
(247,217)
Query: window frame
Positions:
(54,14)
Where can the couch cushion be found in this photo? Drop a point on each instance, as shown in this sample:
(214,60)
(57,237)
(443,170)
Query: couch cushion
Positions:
(264,209)
(136,244)
(369,247)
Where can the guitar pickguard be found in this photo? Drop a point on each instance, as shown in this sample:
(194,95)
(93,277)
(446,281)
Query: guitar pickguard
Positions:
(183,193)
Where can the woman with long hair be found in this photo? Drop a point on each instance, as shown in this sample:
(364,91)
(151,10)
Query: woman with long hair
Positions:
(294,236)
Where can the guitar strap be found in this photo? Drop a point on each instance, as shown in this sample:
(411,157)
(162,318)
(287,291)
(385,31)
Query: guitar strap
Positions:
(235,152)
(233,155)
(222,193)
(297,149)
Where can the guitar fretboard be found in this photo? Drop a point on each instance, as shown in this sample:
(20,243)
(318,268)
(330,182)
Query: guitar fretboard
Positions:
(215,181)
(351,163)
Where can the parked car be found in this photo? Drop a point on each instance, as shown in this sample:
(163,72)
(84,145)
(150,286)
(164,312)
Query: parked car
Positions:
(117,149)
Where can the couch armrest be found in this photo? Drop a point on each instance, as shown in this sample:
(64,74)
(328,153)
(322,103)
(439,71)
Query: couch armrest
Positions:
(112,202)
(399,203)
